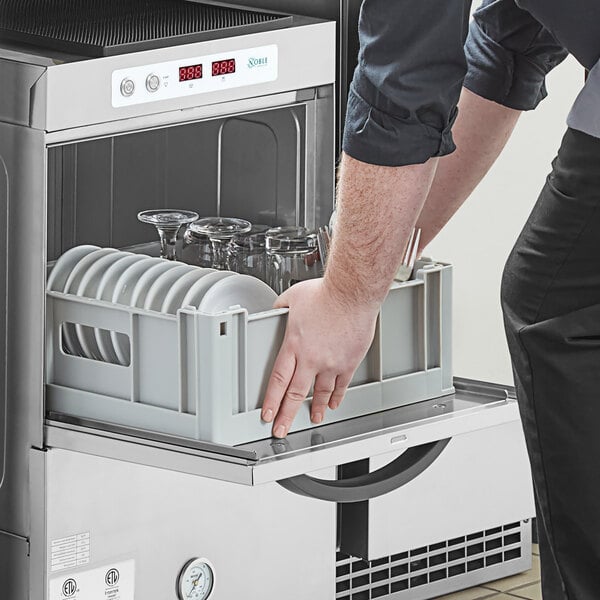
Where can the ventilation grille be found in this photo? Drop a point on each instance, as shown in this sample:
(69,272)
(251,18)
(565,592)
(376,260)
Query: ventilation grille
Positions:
(357,579)
(103,27)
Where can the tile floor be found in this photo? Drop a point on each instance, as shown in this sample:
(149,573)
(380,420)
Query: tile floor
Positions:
(525,586)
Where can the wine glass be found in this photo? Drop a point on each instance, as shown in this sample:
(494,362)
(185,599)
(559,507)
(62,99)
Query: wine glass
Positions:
(219,230)
(168,222)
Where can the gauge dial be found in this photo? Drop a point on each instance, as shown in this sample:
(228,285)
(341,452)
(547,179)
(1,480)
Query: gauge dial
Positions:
(196,580)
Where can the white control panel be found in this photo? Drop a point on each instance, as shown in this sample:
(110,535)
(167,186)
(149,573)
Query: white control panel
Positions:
(188,77)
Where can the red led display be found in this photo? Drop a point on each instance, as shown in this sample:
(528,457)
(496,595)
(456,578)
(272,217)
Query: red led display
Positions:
(223,67)
(189,73)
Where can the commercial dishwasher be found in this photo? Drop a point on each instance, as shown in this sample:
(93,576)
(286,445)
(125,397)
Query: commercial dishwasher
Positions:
(111,490)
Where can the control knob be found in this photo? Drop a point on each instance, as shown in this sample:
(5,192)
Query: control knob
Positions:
(127,87)
(152,82)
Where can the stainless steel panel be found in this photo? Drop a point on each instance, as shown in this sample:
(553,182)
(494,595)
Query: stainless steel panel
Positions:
(175,117)
(465,490)
(37,536)
(14,566)
(16,104)
(93,80)
(263,541)
(23,154)
(4,190)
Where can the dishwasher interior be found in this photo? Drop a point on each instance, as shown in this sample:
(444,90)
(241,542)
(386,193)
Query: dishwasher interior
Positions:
(156,479)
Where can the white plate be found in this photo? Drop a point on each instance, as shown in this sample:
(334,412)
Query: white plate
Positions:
(244,290)
(146,281)
(88,288)
(105,292)
(174,298)
(199,289)
(79,271)
(122,294)
(162,285)
(64,265)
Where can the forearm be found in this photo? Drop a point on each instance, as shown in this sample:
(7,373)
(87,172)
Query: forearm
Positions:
(377,208)
(480,133)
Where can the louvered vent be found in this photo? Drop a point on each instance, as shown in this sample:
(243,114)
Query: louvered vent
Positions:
(458,562)
(107,27)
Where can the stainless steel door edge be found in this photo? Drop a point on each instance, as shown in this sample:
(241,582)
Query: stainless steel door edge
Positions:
(473,406)
(128,448)
(195,114)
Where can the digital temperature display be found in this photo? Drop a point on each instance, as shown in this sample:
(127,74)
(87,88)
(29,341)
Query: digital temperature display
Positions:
(223,67)
(190,73)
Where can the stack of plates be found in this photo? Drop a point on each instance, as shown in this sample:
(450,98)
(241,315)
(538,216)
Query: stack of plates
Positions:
(153,284)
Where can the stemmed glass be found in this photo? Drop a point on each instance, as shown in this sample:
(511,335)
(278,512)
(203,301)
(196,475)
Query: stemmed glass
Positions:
(168,222)
(219,230)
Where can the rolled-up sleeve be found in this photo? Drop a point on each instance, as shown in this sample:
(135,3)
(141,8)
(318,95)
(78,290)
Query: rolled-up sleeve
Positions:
(402,101)
(509,53)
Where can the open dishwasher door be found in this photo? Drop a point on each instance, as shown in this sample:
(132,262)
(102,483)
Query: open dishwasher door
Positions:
(413,502)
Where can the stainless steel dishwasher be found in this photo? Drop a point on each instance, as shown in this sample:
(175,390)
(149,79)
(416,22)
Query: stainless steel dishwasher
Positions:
(110,489)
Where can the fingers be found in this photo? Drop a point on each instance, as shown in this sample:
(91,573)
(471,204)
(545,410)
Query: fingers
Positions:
(283,371)
(292,401)
(341,386)
(282,301)
(324,387)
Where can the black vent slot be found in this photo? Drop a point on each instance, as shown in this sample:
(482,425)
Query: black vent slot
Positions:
(108,27)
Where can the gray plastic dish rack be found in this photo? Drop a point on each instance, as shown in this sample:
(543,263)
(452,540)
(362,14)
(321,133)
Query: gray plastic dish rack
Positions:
(203,376)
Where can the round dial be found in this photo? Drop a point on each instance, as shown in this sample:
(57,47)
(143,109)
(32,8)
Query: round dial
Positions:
(127,87)
(196,580)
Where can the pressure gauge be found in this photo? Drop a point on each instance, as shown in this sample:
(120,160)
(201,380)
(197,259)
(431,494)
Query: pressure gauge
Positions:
(196,580)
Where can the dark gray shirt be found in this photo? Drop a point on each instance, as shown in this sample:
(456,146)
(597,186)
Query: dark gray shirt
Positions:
(413,62)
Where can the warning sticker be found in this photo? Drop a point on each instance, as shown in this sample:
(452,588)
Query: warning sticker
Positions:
(111,582)
(70,552)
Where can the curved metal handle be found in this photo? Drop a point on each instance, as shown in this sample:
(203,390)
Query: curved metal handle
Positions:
(399,472)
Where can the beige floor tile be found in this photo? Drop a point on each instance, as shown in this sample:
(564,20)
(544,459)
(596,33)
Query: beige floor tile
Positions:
(531,592)
(471,594)
(535,549)
(520,580)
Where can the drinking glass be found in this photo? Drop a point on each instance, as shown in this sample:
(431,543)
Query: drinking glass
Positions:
(292,256)
(197,249)
(219,230)
(247,252)
(168,222)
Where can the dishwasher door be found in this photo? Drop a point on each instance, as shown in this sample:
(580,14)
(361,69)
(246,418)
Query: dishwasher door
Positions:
(425,479)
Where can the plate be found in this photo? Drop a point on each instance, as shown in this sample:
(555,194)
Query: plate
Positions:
(174,298)
(160,288)
(70,337)
(88,288)
(199,289)
(105,292)
(244,290)
(122,294)
(80,269)
(64,265)
(147,280)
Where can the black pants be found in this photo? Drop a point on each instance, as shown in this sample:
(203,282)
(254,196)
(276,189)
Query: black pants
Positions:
(551,304)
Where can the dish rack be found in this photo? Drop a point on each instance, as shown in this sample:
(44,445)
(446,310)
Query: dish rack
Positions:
(202,376)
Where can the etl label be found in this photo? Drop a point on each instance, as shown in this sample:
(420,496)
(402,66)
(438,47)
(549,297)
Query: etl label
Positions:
(114,581)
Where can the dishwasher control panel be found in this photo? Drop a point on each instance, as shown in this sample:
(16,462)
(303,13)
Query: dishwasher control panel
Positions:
(191,76)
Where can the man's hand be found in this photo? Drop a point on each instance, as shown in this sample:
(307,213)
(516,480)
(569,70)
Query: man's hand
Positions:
(331,321)
(325,341)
